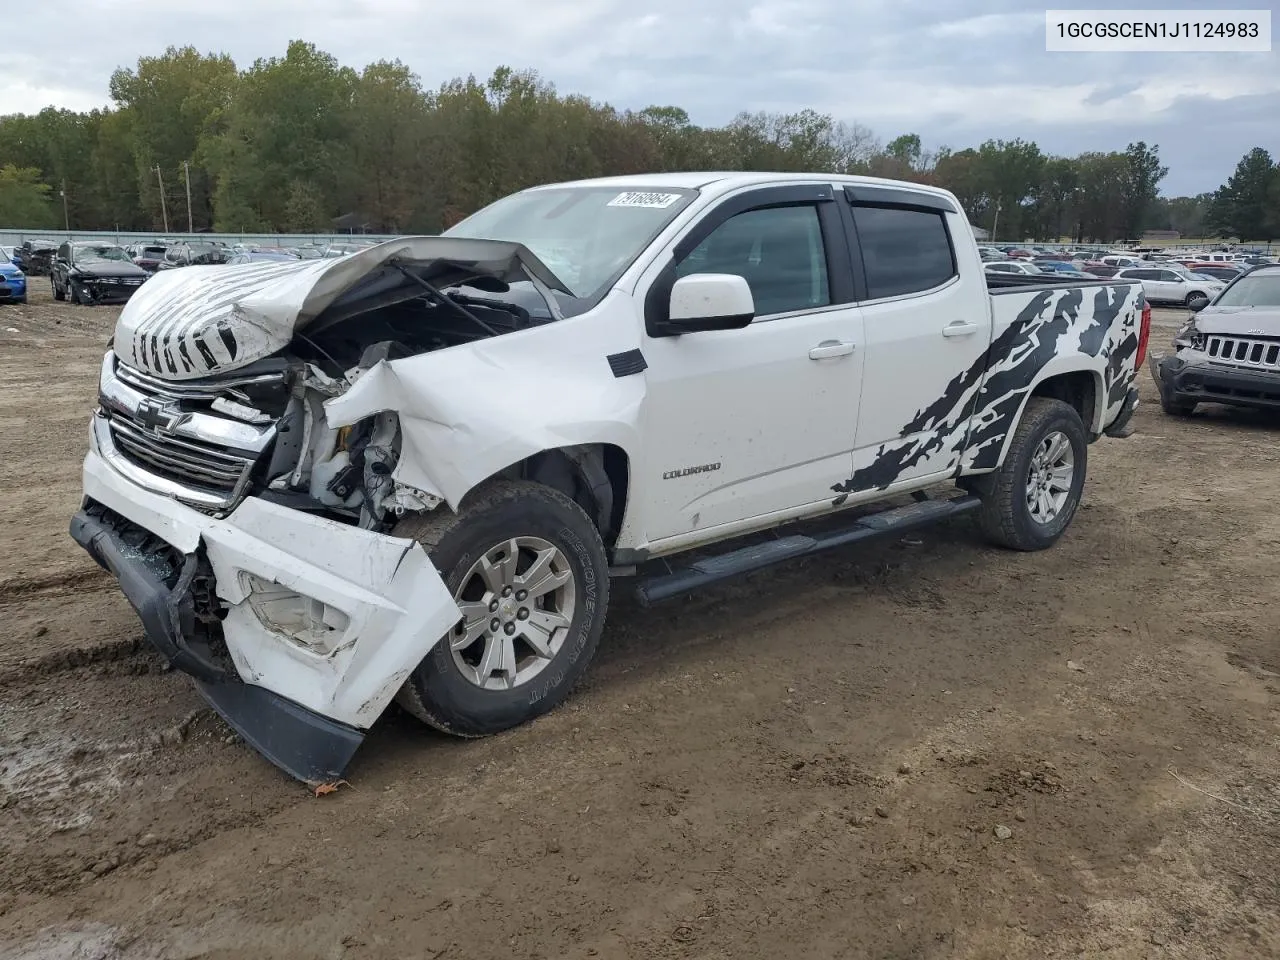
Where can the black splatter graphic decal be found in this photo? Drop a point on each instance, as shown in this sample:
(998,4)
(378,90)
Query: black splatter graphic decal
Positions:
(977,411)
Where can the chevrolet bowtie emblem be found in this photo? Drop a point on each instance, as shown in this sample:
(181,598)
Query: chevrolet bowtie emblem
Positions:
(160,415)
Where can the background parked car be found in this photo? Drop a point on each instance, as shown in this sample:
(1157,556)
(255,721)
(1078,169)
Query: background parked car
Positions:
(148,256)
(1170,284)
(194,253)
(1229,352)
(262,254)
(13,283)
(90,272)
(34,257)
(1012,266)
(1226,272)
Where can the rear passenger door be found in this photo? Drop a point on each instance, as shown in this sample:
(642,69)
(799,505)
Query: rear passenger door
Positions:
(927,324)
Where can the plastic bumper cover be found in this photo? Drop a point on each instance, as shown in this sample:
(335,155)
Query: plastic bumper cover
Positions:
(1190,379)
(323,621)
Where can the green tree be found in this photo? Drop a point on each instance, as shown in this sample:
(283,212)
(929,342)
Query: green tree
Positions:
(1241,205)
(174,102)
(24,200)
(1143,173)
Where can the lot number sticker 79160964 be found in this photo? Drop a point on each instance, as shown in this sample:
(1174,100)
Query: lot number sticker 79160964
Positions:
(637,198)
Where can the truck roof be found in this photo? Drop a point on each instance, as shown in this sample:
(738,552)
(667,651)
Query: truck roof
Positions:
(725,180)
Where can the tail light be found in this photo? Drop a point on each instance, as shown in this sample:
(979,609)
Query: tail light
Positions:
(1144,334)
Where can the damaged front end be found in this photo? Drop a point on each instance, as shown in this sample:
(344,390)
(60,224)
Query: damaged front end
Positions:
(1222,355)
(251,530)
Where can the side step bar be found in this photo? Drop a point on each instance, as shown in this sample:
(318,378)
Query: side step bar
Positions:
(758,556)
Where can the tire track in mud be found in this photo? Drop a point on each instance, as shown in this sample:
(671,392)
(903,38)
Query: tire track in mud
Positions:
(21,589)
(97,748)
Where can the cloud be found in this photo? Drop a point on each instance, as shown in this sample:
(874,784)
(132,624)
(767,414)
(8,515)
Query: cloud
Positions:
(905,66)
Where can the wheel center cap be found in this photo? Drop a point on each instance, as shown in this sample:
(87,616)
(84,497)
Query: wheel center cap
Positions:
(508,609)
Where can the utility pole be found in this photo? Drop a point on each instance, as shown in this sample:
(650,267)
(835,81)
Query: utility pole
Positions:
(995,222)
(66,218)
(164,211)
(186,167)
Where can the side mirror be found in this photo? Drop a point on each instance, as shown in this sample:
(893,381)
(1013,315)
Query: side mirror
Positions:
(710,301)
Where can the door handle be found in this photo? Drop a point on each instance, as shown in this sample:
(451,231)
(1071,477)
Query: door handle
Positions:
(959,328)
(831,348)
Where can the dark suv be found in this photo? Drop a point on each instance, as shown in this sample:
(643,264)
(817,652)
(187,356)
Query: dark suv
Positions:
(190,254)
(92,272)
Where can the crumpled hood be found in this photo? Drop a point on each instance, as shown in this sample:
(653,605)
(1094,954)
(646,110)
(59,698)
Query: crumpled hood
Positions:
(1243,321)
(194,321)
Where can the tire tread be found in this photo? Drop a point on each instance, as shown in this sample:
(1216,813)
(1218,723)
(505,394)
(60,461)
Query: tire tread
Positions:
(430,529)
(996,517)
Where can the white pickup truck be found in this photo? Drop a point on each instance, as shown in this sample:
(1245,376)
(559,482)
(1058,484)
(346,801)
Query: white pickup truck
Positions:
(412,473)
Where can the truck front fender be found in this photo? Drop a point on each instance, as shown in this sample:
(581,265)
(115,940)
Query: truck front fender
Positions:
(469,412)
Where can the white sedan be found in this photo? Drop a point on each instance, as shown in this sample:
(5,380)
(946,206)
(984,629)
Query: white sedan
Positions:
(1011,266)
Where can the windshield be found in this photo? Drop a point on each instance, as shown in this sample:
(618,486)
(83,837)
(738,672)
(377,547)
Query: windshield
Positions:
(585,235)
(1260,290)
(104,252)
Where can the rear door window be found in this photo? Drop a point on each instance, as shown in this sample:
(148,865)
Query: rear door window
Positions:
(904,251)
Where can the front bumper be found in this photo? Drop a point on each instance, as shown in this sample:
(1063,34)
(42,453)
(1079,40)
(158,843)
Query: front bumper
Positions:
(107,291)
(322,622)
(13,289)
(1190,377)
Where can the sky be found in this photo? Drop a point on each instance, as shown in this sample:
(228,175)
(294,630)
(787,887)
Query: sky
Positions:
(956,72)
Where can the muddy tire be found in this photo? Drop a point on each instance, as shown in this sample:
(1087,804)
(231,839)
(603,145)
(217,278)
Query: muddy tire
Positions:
(58,293)
(1030,501)
(528,568)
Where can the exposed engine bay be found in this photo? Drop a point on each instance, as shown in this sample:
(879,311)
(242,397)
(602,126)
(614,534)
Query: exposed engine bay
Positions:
(257,426)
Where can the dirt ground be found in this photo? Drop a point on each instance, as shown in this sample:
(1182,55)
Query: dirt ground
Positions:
(819,761)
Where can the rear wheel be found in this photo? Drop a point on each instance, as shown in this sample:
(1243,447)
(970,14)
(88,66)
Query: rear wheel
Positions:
(1031,500)
(528,570)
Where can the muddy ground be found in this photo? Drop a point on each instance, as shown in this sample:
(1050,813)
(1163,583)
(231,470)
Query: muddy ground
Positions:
(813,762)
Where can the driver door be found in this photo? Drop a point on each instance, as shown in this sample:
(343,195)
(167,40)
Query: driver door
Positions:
(740,424)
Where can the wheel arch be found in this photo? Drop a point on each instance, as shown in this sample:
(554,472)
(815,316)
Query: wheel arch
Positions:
(596,476)
(1077,380)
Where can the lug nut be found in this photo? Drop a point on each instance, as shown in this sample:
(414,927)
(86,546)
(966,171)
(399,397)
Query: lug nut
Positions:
(493,606)
(521,594)
(494,624)
(506,591)
(510,628)
(523,614)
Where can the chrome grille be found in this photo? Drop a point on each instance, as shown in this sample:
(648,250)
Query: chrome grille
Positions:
(179,459)
(1244,351)
(170,437)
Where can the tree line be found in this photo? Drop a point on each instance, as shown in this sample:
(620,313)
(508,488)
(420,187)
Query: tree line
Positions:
(294,142)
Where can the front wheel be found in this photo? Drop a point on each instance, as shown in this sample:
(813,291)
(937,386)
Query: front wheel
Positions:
(57,290)
(1032,498)
(528,570)
(1196,300)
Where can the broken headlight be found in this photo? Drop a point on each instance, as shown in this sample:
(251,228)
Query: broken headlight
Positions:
(1189,337)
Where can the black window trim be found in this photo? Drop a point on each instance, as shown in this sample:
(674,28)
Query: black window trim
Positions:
(835,243)
(855,243)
